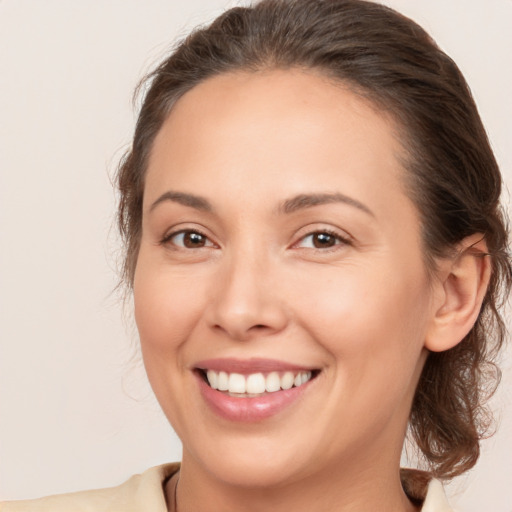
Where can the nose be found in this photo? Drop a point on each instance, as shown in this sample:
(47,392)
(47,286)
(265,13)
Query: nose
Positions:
(246,301)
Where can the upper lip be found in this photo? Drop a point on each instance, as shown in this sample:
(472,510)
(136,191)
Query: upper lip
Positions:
(246,366)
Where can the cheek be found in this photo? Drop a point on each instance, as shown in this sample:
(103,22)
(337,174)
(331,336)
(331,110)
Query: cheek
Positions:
(166,311)
(366,315)
(374,331)
(167,306)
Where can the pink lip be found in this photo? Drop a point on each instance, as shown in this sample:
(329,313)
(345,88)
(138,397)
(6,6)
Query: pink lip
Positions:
(247,366)
(246,409)
(249,409)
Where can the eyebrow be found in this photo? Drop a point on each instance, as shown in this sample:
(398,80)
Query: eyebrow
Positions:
(191,200)
(303,201)
(296,203)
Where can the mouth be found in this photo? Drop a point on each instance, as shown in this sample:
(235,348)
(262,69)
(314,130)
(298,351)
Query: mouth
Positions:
(252,390)
(253,385)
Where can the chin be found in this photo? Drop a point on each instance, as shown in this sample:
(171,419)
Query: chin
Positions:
(240,472)
(255,463)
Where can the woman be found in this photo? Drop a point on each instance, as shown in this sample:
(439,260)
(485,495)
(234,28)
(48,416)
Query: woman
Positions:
(317,253)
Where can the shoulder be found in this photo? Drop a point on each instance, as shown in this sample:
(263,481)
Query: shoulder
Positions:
(139,493)
(145,492)
(436,501)
(425,490)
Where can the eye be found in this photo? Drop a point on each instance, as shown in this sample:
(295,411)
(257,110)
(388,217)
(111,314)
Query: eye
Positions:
(321,240)
(188,239)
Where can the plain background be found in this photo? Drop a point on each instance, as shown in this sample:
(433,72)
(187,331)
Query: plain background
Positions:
(76,411)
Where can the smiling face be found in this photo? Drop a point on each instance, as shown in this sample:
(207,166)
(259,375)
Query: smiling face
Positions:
(280,249)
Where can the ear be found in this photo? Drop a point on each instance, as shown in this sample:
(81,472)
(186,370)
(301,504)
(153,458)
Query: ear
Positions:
(459,292)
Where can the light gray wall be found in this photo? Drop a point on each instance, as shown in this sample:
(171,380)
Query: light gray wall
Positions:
(75,409)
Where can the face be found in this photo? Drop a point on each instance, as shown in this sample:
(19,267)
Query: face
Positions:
(281,262)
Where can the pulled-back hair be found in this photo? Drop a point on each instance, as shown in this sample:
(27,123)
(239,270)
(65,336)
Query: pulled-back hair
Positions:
(452,175)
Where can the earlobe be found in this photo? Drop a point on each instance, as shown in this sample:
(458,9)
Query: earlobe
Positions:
(462,285)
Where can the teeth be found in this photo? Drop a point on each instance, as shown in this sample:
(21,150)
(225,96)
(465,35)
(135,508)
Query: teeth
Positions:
(222,381)
(236,383)
(256,383)
(212,379)
(287,380)
(272,382)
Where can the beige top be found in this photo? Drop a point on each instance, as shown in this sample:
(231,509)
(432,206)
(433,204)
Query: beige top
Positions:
(144,493)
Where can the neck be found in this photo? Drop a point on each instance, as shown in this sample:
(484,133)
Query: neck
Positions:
(333,490)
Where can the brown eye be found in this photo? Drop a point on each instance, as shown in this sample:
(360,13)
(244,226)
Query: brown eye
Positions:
(190,240)
(321,240)
(193,240)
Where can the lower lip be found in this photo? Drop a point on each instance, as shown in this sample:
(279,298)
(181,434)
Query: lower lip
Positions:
(245,409)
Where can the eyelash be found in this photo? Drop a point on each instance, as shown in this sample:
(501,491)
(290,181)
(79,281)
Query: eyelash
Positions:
(339,240)
(167,239)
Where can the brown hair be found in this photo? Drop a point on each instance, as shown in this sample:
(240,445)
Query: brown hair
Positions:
(453,176)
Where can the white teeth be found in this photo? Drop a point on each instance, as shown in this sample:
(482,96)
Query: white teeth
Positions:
(222,381)
(287,380)
(256,383)
(236,383)
(212,379)
(272,382)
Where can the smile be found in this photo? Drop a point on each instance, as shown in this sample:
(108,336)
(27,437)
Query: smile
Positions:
(255,384)
(252,390)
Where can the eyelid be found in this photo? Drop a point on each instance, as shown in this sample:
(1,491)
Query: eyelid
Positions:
(342,237)
(173,232)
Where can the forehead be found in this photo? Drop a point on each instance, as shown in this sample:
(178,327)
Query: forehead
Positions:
(296,128)
(294,97)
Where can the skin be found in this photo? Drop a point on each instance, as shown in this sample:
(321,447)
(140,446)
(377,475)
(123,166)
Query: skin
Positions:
(360,311)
